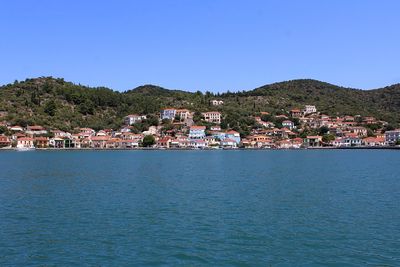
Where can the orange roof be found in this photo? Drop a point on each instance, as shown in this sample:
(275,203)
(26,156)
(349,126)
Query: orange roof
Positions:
(25,139)
(100,138)
(194,127)
(41,138)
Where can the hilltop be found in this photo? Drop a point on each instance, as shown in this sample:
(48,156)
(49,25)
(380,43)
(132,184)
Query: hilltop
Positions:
(53,102)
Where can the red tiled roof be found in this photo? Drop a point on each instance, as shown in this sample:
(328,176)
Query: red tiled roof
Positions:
(194,127)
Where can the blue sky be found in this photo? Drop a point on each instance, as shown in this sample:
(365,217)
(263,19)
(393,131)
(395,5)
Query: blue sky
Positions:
(214,45)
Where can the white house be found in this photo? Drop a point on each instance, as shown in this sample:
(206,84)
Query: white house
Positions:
(212,116)
(134,118)
(288,124)
(308,109)
(197,132)
(217,102)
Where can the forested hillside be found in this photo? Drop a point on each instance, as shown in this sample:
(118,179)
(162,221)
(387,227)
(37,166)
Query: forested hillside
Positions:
(59,104)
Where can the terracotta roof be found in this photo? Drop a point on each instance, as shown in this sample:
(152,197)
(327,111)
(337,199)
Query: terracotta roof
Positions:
(194,127)
(25,139)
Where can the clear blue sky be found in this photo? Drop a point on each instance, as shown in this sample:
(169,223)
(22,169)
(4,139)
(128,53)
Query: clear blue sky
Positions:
(214,45)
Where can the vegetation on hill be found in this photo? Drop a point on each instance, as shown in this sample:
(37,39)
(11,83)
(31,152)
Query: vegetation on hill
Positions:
(59,104)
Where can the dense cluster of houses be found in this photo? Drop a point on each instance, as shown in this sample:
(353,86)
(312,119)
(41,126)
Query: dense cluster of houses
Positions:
(343,131)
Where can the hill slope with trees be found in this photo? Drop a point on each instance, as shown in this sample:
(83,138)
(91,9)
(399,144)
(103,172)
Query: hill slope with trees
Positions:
(64,105)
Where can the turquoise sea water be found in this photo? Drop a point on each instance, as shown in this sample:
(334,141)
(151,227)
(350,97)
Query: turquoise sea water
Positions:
(200,208)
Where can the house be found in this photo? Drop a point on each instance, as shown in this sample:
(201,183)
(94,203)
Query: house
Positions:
(217,102)
(99,141)
(211,141)
(369,120)
(212,116)
(197,143)
(183,114)
(164,142)
(86,132)
(41,142)
(312,141)
(351,141)
(215,128)
(4,141)
(360,131)
(168,113)
(229,143)
(133,118)
(25,142)
(114,143)
(266,124)
(288,124)
(392,137)
(295,113)
(309,109)
(373,141)
(233,135)
(197,132)
(16,128)
(35,130)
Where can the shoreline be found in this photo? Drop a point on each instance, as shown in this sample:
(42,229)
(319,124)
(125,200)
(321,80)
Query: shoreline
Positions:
(204,149)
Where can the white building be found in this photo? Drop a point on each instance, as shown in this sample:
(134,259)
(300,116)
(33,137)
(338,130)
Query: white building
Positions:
(134,118)
(308,109)
(217,102)
(212,116)
(391,137)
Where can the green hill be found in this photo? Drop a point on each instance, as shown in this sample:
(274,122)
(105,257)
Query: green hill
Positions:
(56,103)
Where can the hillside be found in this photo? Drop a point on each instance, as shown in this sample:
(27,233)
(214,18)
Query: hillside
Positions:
(56,103)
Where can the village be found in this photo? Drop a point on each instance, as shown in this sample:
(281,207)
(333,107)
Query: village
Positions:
(176,129)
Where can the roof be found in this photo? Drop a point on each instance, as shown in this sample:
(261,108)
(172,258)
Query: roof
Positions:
(194,127)
(25,139)
(314,137)
(100,138)
(232,132)
(35,127)
(41,138)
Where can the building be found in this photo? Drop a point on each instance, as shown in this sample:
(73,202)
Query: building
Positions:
(229,143)
(312,141)
(86,132)
(360,131)
(309,109)
(288,124)
(392,137)
(168,113)
(164,142)
(295,113)
(233,135)
(25,142)
(99,141)
(16,128)
(134,118)
(41,142)
(212,116)
(217,102)
(4,141)
(373,141)
(197,132)
(183,114)
(35,130)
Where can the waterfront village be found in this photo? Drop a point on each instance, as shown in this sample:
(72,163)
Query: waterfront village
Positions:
(175,129)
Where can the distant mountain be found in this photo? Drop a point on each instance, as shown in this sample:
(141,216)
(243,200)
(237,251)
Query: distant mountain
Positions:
(53,102)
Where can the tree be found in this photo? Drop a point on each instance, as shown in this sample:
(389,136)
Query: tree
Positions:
(50,108)
(3,129)
(326,138)
(148,141)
